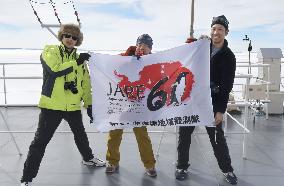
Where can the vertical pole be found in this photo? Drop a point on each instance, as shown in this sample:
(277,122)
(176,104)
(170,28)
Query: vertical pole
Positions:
(177,135)
(267,91)
(245,133)
(225,123)
(5,89)
(245,120)
(160,143)
(249,70)
(192,19)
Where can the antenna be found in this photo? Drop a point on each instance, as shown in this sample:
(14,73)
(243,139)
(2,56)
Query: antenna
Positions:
(246,38)
(249,50)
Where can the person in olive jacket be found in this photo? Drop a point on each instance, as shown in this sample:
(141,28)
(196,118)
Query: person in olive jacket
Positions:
(66,82)
(222,74)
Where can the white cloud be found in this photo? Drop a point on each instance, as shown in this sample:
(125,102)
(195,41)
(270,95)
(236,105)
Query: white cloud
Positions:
(106,1)
(168,23)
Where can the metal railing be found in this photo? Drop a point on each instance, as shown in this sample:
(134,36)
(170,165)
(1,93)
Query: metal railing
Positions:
(267,83)
(4,78)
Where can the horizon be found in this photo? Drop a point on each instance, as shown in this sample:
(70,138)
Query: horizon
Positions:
(114,50)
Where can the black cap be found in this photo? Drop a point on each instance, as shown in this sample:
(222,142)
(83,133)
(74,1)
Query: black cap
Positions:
(222,20)
(145,39)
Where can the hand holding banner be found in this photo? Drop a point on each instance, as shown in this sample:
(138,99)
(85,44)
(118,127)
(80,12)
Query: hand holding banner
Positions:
(168,88)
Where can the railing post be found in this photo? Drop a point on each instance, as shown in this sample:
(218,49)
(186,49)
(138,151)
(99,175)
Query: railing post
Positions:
(225,123)
(4,80)
(245,120)
(267,90)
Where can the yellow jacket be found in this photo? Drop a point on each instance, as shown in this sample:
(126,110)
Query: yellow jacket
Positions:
(60,66)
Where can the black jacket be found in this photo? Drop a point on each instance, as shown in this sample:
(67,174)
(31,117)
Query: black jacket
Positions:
(222,74)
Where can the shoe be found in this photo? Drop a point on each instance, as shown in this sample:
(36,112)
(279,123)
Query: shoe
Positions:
(112,168)
(26,184)
(181,174)
(231,178)
(151,172)
(95,162)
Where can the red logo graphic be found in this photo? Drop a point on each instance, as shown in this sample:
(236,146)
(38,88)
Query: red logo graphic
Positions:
(162,80)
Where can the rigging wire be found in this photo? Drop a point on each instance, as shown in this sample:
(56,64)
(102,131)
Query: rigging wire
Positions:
(55,12)
(35,12)
(37,2)
(76,14)
(53,4)
(75,11)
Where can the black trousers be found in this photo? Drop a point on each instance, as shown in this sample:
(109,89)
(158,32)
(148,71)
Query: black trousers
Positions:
(218,142)
(49,120)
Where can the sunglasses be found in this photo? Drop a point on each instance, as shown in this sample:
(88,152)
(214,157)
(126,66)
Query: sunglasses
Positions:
(75,38)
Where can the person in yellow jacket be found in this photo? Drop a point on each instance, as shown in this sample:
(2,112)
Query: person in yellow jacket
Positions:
(143,47)
(66,82)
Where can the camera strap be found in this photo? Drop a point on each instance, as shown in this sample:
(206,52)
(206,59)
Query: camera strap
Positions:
(61,51)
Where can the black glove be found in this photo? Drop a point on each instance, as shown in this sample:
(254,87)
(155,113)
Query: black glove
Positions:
(83,57)
(90,113)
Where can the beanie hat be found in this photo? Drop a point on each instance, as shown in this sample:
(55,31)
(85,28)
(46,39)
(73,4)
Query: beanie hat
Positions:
(145,39)
(222,20)
(72,29)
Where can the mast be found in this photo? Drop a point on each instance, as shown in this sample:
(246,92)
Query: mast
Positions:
(192,19)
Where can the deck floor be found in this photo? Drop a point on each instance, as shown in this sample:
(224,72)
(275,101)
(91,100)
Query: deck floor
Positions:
(61,165)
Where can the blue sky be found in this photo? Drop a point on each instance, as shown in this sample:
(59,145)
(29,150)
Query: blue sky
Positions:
(115,24)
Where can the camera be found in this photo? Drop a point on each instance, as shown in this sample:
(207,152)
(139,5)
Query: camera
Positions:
(71,86)
(214,88)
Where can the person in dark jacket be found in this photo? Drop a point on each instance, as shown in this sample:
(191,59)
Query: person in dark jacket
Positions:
(222,74)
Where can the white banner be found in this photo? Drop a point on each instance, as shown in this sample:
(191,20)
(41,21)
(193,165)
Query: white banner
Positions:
(168,88)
